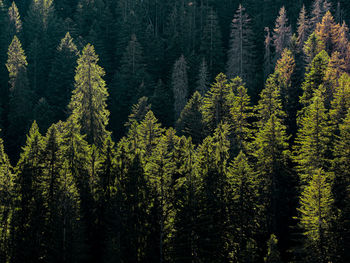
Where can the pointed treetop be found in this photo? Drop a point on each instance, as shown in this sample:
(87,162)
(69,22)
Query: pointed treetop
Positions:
(16,58)
(67,43)
(15,18)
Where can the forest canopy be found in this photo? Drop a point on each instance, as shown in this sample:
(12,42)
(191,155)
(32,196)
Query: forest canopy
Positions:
(205,131)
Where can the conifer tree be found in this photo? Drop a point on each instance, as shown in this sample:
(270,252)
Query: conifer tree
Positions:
(282,33)
(303,28)
(241,111)
(202,84)
(314,78)
(190,123)
(160,101)
(129,84)
(268,57)
(20,104)
(88,103)
(341,101)
(319,9)
(61,78)
(244,186)
(149,132)
(7,198)
(179,81)
(270,102)
(30,212)
(14,23)
(160,170)
(327,31)
(271,152)
(216,105)
(316,214)
(341,187)
(211,45)
(139,111)
(213,229)
(312,143)
(240,53)
(312,47)
(62,229)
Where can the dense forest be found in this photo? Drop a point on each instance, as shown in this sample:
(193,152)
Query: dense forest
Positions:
(174,131)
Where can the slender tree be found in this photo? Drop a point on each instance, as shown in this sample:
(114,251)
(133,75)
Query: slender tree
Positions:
(282,33)
(88,103)
(179,81)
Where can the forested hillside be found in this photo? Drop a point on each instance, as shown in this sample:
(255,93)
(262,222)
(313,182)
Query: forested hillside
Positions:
(174,131)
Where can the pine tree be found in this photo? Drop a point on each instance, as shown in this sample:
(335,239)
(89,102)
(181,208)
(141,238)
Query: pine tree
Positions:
(340,39)
(244,186)
(160,101)
(316,214)
(88,103)
(14,23)
(271,154)
(312,142)
(61,78)
(270,102)
(202,84)
(327,32)
(180,85)
(312,47)
(139,111)
(7,198)
(241,112)
(341,101)
(160,170)
(134,195)
(303,28)
(268,57)
(216,104)
(241,50)
(314,77)
(129,84)
(30,212)
(213,229)
(190,123)
(20,104)
(149,132)
(341,187)
(319,9)
(211,45)
(282,33)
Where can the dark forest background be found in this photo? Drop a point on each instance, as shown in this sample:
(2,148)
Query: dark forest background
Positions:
(174,131)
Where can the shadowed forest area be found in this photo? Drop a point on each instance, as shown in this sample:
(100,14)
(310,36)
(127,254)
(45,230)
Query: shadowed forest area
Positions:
(187,131)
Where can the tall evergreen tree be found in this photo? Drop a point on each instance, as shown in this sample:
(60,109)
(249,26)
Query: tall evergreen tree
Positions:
(312,47)
(20,104)
(202,84)
(303,28)
(7,198)
(211,45)
(282,33)
(268,56)
(179,81)
(315,216)
(190,123)
(315,76)
(240,53)
(29,216)
(88,103)
(61,78)
(217,104)
(312,143)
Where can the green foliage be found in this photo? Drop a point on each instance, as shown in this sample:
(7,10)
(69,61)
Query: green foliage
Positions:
(312,142)
(89,101)
(216,104)
(61,78)
(190,123)
(314,78)
(316,214)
